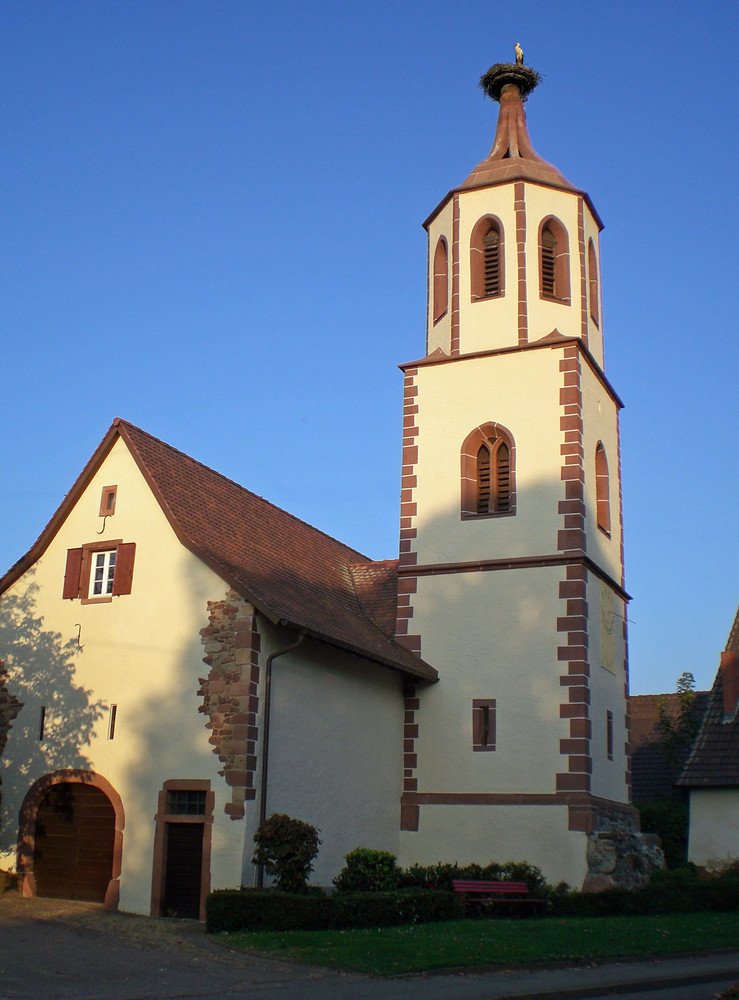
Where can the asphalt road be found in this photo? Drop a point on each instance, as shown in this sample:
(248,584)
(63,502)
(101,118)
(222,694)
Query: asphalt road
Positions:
(58,950)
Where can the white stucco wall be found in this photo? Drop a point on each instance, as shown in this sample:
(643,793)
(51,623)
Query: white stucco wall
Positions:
(714,826)
(335,752)
(493,638)
(480,833)
(453,399)
(141,652)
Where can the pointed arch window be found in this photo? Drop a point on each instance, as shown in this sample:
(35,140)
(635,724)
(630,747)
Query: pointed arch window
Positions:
(593,283)
(488,472)
(554,261)
(602,490)
(441,280)
(487,260)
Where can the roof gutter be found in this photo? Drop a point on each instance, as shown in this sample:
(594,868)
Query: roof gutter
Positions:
(265,737)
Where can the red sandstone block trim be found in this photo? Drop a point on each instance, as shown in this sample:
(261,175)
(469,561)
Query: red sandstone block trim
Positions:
(519,194)
(583,272)
(455,277)
(410,735)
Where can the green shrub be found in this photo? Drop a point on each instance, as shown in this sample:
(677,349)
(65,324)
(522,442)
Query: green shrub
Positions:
(267,910)
(385,909)
(286,847)
(367,870)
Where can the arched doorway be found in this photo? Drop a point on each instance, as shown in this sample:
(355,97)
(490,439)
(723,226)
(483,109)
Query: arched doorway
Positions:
(71,837)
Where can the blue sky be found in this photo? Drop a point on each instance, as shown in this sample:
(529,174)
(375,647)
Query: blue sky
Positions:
(212,227)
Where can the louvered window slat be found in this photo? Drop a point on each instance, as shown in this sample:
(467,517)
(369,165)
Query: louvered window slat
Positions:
(483,480)
(548,263)
(491,254)
(503,484)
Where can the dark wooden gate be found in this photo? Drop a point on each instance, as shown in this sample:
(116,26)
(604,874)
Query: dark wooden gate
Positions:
(75,836)
(183,871)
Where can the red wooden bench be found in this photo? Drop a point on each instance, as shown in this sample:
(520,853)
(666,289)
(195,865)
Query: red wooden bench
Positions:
(486,893)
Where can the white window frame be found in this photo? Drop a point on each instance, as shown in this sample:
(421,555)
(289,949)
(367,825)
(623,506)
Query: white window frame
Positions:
(107,576)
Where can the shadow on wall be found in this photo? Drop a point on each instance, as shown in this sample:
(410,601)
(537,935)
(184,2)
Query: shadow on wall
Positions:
(56,716)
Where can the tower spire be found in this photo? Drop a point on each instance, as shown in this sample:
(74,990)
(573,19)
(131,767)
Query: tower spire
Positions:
(513,156)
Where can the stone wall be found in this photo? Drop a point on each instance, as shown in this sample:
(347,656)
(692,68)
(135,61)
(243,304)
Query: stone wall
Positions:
(230,694)
(621,858)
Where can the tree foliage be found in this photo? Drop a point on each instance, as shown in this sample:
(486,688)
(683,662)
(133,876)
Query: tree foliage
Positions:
(677,732)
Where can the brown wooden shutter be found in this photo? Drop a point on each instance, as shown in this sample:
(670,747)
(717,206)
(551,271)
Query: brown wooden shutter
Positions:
(124,568)
(72,574)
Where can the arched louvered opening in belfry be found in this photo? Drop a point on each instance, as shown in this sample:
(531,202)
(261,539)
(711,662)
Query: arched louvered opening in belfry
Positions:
(602,489)
(440,287)
(488,480)
(593,282)
(554,260)
(487,261)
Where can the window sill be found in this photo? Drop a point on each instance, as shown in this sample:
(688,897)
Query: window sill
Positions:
(96,600)
(567,301)
(465,516)
(486,298)
(604,531)
(438,319)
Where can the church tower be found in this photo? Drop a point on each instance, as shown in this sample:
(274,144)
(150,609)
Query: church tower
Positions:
(511,577)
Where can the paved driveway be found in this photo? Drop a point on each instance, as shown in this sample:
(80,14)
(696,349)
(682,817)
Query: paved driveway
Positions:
(60,950)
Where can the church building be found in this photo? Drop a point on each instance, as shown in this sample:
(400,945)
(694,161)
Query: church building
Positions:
(182,658)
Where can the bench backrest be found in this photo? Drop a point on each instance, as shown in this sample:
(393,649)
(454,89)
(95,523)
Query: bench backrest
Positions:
(485,885)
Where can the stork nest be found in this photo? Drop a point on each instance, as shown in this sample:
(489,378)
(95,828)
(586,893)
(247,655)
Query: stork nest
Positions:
(498,76)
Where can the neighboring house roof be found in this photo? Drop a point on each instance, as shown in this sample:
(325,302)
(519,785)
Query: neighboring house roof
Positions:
(714,761)
(293,573)
(652,776)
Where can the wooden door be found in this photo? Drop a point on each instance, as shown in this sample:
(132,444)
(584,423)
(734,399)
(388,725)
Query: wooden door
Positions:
(183,871)
(75,835)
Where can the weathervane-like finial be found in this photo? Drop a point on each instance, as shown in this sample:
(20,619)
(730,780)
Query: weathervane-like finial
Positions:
(519,54)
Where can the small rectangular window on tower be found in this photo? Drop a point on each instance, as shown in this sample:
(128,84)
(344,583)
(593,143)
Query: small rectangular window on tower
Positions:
(42,723)
(483,723)
(609,734)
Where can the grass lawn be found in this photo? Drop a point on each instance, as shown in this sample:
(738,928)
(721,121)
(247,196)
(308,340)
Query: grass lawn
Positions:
(387,951)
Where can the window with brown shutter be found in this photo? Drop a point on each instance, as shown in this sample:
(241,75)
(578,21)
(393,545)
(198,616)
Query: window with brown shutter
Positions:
(441,279)
(593,282)
(487,271)
(488,472)
(602,490)
(554,261)
(98,572)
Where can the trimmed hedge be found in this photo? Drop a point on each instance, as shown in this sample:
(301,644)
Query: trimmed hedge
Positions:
(679,890)
(386,909)
(269,909)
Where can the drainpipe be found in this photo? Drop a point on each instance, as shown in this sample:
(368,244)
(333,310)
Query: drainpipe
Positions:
(265,737)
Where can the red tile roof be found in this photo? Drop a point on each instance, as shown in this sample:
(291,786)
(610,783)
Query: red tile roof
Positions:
(652,776)
(292,573)
(714,762)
